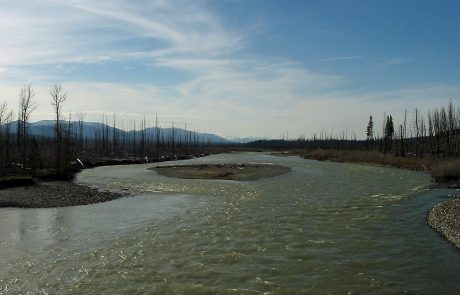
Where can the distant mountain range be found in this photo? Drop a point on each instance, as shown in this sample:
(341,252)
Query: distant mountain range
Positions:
(93,129)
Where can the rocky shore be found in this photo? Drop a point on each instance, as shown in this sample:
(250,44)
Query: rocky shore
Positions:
(47,190)
(445,218)
(54,194)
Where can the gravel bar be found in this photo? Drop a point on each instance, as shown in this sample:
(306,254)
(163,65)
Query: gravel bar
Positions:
(445,218)
(54,194)
(239,172)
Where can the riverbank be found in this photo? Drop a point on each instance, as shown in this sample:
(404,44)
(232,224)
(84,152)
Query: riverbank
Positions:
(48,190)
(238,172)
(444,171)
(18,177)
(54,194)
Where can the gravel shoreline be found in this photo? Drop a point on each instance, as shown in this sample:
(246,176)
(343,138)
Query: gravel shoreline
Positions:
(445,219)
(23,193)
(54,194)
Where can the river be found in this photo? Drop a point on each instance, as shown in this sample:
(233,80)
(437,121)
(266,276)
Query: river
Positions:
(322,228)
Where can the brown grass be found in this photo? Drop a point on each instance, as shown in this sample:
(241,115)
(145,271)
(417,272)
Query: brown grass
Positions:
(442,170)
(446,170)
(369,158)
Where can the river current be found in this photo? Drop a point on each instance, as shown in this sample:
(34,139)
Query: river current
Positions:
(324,228)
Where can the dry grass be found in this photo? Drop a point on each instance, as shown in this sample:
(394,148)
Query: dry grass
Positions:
(369,158)
(446,170)
(442,170)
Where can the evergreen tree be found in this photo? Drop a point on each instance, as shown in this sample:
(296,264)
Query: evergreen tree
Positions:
(389,128)
(370,133)
(389,132)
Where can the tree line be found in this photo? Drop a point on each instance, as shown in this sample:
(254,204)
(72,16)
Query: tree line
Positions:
(435,134)
(22,152)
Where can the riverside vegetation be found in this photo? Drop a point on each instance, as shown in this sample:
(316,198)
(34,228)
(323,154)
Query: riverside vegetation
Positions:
(23,155)
(33,161)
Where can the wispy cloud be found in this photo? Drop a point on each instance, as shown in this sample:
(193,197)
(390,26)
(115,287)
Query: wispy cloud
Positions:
(226,90)
(394,61)
(88,31)
(344,58)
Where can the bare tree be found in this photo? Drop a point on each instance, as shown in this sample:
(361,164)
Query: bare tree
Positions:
(7,123)
(26,107)
(402,151)
(404,135)
(451,120)
(114,135)
(3,113)
(68,134)
(422,138)
(81,119)
(431,131)
(157,136)
(437,130)
(417,133)
(58,97)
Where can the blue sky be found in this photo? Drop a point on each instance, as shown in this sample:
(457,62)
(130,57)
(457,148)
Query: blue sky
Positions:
(234,68)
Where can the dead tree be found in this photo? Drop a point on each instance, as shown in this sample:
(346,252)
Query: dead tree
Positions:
(404,135)
(114,136)
(3,114)
(81,119)
(26,107)
(431,133)
(451,122)
(58,97)
(422,134)
(417,133)
(437,131)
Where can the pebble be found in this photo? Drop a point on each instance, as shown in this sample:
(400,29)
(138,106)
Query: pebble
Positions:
(445,218)
(54,194)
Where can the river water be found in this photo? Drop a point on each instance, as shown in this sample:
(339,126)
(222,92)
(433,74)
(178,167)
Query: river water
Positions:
(324,228)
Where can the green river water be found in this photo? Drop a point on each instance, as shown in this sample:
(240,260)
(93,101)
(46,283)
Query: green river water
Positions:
(324,228)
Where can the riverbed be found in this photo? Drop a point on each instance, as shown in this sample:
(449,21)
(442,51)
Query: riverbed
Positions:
(322,228)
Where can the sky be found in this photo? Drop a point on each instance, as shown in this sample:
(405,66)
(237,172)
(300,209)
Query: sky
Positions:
(239,68)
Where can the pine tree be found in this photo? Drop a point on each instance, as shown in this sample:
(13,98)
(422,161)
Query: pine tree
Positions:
(389,132)
(370,133)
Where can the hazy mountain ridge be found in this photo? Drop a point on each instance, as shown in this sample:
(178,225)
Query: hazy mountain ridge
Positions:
(91,130)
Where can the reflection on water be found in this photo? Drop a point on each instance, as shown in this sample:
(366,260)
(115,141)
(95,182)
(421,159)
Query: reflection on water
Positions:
(70,226)
(323,228)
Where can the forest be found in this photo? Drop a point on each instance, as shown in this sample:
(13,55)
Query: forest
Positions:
(57,154)
(435,135)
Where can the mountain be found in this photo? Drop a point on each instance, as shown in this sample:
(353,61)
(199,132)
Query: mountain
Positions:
(91,130)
